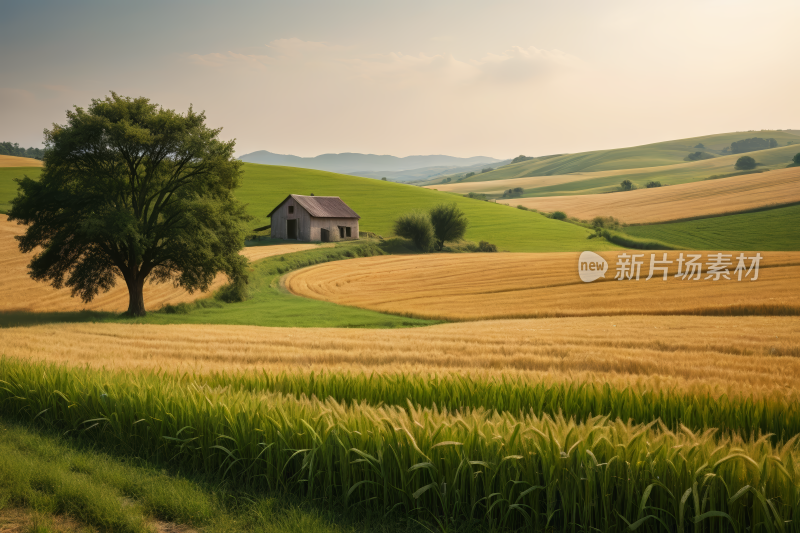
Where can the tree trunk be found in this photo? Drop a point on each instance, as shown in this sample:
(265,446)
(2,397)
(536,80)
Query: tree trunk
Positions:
(136,294)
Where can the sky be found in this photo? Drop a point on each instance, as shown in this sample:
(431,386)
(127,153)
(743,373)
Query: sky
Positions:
(462,78)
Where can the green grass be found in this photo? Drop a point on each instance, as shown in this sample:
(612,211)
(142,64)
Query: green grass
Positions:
(51,476)
(268,304)
(500,469)
(772,229)
(380,202)
(649,155)
(8,189)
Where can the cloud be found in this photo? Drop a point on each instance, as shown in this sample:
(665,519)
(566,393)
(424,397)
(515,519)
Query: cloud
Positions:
(296,57)
(525,64)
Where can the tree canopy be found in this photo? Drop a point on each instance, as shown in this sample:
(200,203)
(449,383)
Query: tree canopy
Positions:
(745,163)
(7,148)
(449,224)
(132,190)
(796,159)
(626,185)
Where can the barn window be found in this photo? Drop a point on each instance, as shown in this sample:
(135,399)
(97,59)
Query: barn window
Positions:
(347,231)
(291,209)
(341,232)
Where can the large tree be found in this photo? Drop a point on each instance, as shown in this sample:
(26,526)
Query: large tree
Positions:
(132,190)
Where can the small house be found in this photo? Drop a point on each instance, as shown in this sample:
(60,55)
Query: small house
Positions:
(314,218)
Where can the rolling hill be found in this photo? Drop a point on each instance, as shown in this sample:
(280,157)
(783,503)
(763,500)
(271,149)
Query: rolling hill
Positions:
(679,202)
(636,157)
(380,202)
(609,180)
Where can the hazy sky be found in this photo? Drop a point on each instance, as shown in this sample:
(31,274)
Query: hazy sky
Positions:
(464,78)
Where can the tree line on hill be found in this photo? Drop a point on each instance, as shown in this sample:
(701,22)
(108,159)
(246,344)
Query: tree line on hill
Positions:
(7,148)
(752,144)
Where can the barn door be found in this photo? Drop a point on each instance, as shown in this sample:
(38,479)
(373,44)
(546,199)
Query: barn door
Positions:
(291,228)
(324,235)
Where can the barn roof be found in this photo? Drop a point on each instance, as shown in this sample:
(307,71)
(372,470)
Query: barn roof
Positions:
(321,206)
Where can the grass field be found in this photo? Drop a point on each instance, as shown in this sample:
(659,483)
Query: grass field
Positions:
(8,189)
(496,468)
(638,157)
(379,203)
(492,286)
(771,229)
(49,484)
(663,204)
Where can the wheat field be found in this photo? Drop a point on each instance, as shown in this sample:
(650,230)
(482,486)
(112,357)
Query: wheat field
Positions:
(21,293)
(494,286)
(735,354)
(10,161)
(676,202)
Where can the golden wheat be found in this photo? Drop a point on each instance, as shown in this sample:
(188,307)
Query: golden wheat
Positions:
(10,161)
(732,353)
(493,286)
(18,292)
(662,204)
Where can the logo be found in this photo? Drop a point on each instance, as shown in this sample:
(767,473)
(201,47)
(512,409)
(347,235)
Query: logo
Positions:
(632,266)
(591,267)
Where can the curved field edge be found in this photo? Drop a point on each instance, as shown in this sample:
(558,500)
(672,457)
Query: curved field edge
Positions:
(389,459)
(267,304)
(506,286)
(665,204)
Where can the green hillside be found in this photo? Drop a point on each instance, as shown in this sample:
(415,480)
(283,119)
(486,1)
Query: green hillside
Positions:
(380,202)
(8,189)
(773,229)
(608,181)
(649,155)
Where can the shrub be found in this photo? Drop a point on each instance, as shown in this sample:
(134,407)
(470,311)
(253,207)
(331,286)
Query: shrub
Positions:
(796,159)
(701,146)
(516,192)
(484,246)
(745,163)
(478,196)
(416,226)
(449,224)
(558,215)
(469,175)
(525,208)
(698,156)
(653,184)
(487,169)
(626,185)
(520,159)
(600,222)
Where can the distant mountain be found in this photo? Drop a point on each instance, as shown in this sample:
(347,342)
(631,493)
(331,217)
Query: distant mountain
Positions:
(349,163)
(428,173)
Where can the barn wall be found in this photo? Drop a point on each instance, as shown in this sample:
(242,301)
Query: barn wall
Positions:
(307,226)
(332,225)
